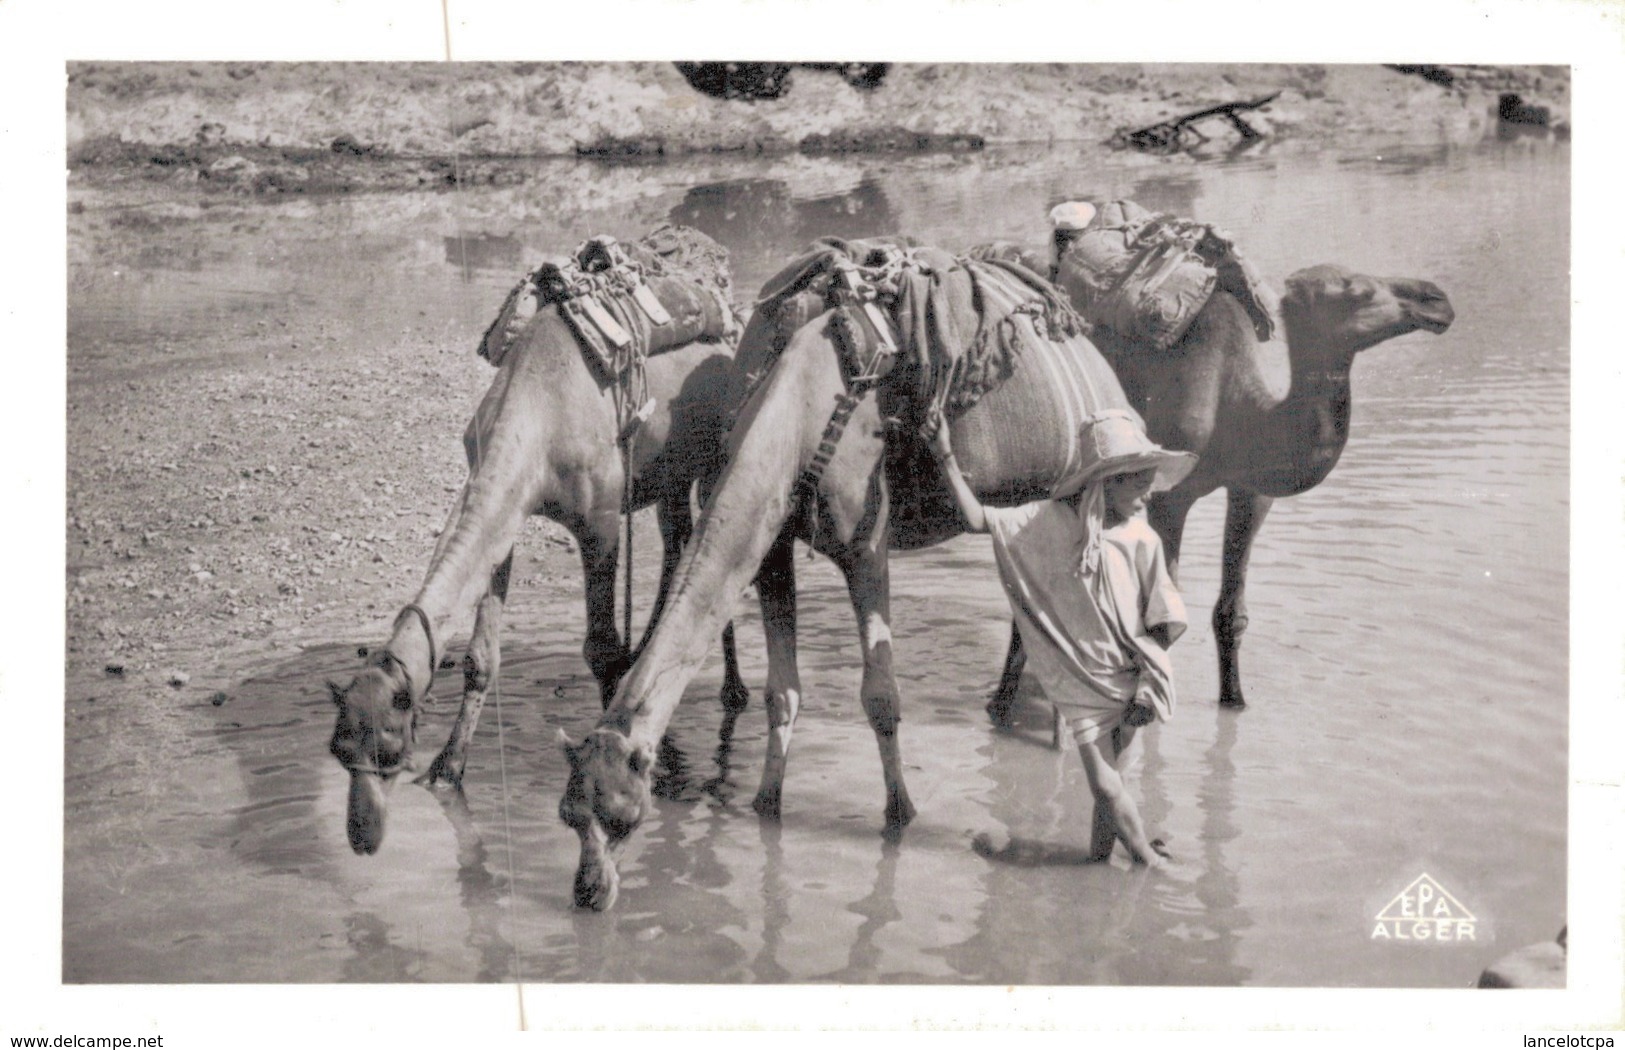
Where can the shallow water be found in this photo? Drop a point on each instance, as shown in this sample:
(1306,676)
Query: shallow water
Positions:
(1407,661)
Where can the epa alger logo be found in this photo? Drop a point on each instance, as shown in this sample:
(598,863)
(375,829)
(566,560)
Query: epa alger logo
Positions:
(1425,911)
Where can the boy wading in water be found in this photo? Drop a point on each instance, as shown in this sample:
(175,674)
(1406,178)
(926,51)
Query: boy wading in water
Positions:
(1093,600)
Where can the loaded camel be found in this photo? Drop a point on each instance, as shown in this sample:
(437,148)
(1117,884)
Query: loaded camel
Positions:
(846,353)
(544,440)
(1211,393)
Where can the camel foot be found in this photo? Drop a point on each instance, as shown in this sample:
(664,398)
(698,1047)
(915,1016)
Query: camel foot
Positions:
(446,771)
(1233,703)
(899,812)
(767,803)
(1000,711)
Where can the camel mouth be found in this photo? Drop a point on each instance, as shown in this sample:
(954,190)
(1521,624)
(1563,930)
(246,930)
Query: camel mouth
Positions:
(368,805)
(1430,307)
(1435,325)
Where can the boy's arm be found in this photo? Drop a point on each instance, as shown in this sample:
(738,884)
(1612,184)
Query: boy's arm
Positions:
(970,508)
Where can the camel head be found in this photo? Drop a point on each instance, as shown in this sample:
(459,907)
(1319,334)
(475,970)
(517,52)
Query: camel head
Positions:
(605,800)
(1331,309)
(372,738)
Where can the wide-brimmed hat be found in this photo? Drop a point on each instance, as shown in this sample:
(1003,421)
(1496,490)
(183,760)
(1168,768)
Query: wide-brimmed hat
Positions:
(1114,442)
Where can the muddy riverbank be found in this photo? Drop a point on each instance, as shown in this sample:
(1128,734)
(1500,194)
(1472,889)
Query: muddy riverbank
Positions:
(279,128)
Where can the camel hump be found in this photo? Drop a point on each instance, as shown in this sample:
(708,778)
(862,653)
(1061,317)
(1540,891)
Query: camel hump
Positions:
(1145,276)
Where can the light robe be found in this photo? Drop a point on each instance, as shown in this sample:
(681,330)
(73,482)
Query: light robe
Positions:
(1085,631)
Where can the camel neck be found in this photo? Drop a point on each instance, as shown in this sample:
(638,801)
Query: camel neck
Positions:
(1310,427)
(1318,373)
(1319,381)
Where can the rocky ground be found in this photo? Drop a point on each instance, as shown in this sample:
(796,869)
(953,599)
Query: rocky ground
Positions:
(191,544)
(217,510)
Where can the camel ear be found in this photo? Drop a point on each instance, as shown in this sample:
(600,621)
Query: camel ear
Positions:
(569,748)
(335,691)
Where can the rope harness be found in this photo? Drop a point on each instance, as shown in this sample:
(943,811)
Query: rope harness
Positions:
(595,298)
(865,336)
(369,760)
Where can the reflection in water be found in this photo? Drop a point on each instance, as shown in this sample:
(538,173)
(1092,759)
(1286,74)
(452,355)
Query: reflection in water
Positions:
(866,963)
(758,218)
(1176,194)
(375,956)
(775,906)
(484,251)
(481,892)
(1218,886)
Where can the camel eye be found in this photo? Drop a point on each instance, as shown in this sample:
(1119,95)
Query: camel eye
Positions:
(1360,290)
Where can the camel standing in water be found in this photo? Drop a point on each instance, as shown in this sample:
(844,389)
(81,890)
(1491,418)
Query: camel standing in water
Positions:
(854,512)
(817,408)
(1211,393)
(544,440)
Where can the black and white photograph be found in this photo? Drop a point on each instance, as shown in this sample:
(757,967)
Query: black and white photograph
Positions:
(1060,523)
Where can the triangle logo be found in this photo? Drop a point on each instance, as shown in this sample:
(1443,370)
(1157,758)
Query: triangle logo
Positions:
(1424,898)
(1425,911)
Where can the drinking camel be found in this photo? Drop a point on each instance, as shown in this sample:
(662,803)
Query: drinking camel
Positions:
(546,440)
(848,350)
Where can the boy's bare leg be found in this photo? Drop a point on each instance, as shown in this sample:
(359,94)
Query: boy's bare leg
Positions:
(1115,810)
(1104,834)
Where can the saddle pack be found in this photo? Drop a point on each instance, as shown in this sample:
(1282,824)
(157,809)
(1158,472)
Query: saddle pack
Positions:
(625,302)
(927,329)
(1146,276)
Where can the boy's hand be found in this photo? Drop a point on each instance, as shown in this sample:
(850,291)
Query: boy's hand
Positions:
(935,431)
(1139,714)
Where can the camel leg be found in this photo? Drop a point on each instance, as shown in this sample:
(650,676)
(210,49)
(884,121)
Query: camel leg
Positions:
(868,582)
(735,694)
(1004,697)
(776,587)
(480,667)
(1166,515)
(676,526)
(605,652)
(1244,513)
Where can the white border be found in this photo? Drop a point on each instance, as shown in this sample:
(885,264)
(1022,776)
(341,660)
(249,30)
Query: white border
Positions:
(37,37)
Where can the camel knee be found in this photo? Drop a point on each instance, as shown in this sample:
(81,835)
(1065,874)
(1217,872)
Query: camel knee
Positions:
(476,674)
(605,655)
(782,708)
(882,714)
(1229,623)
